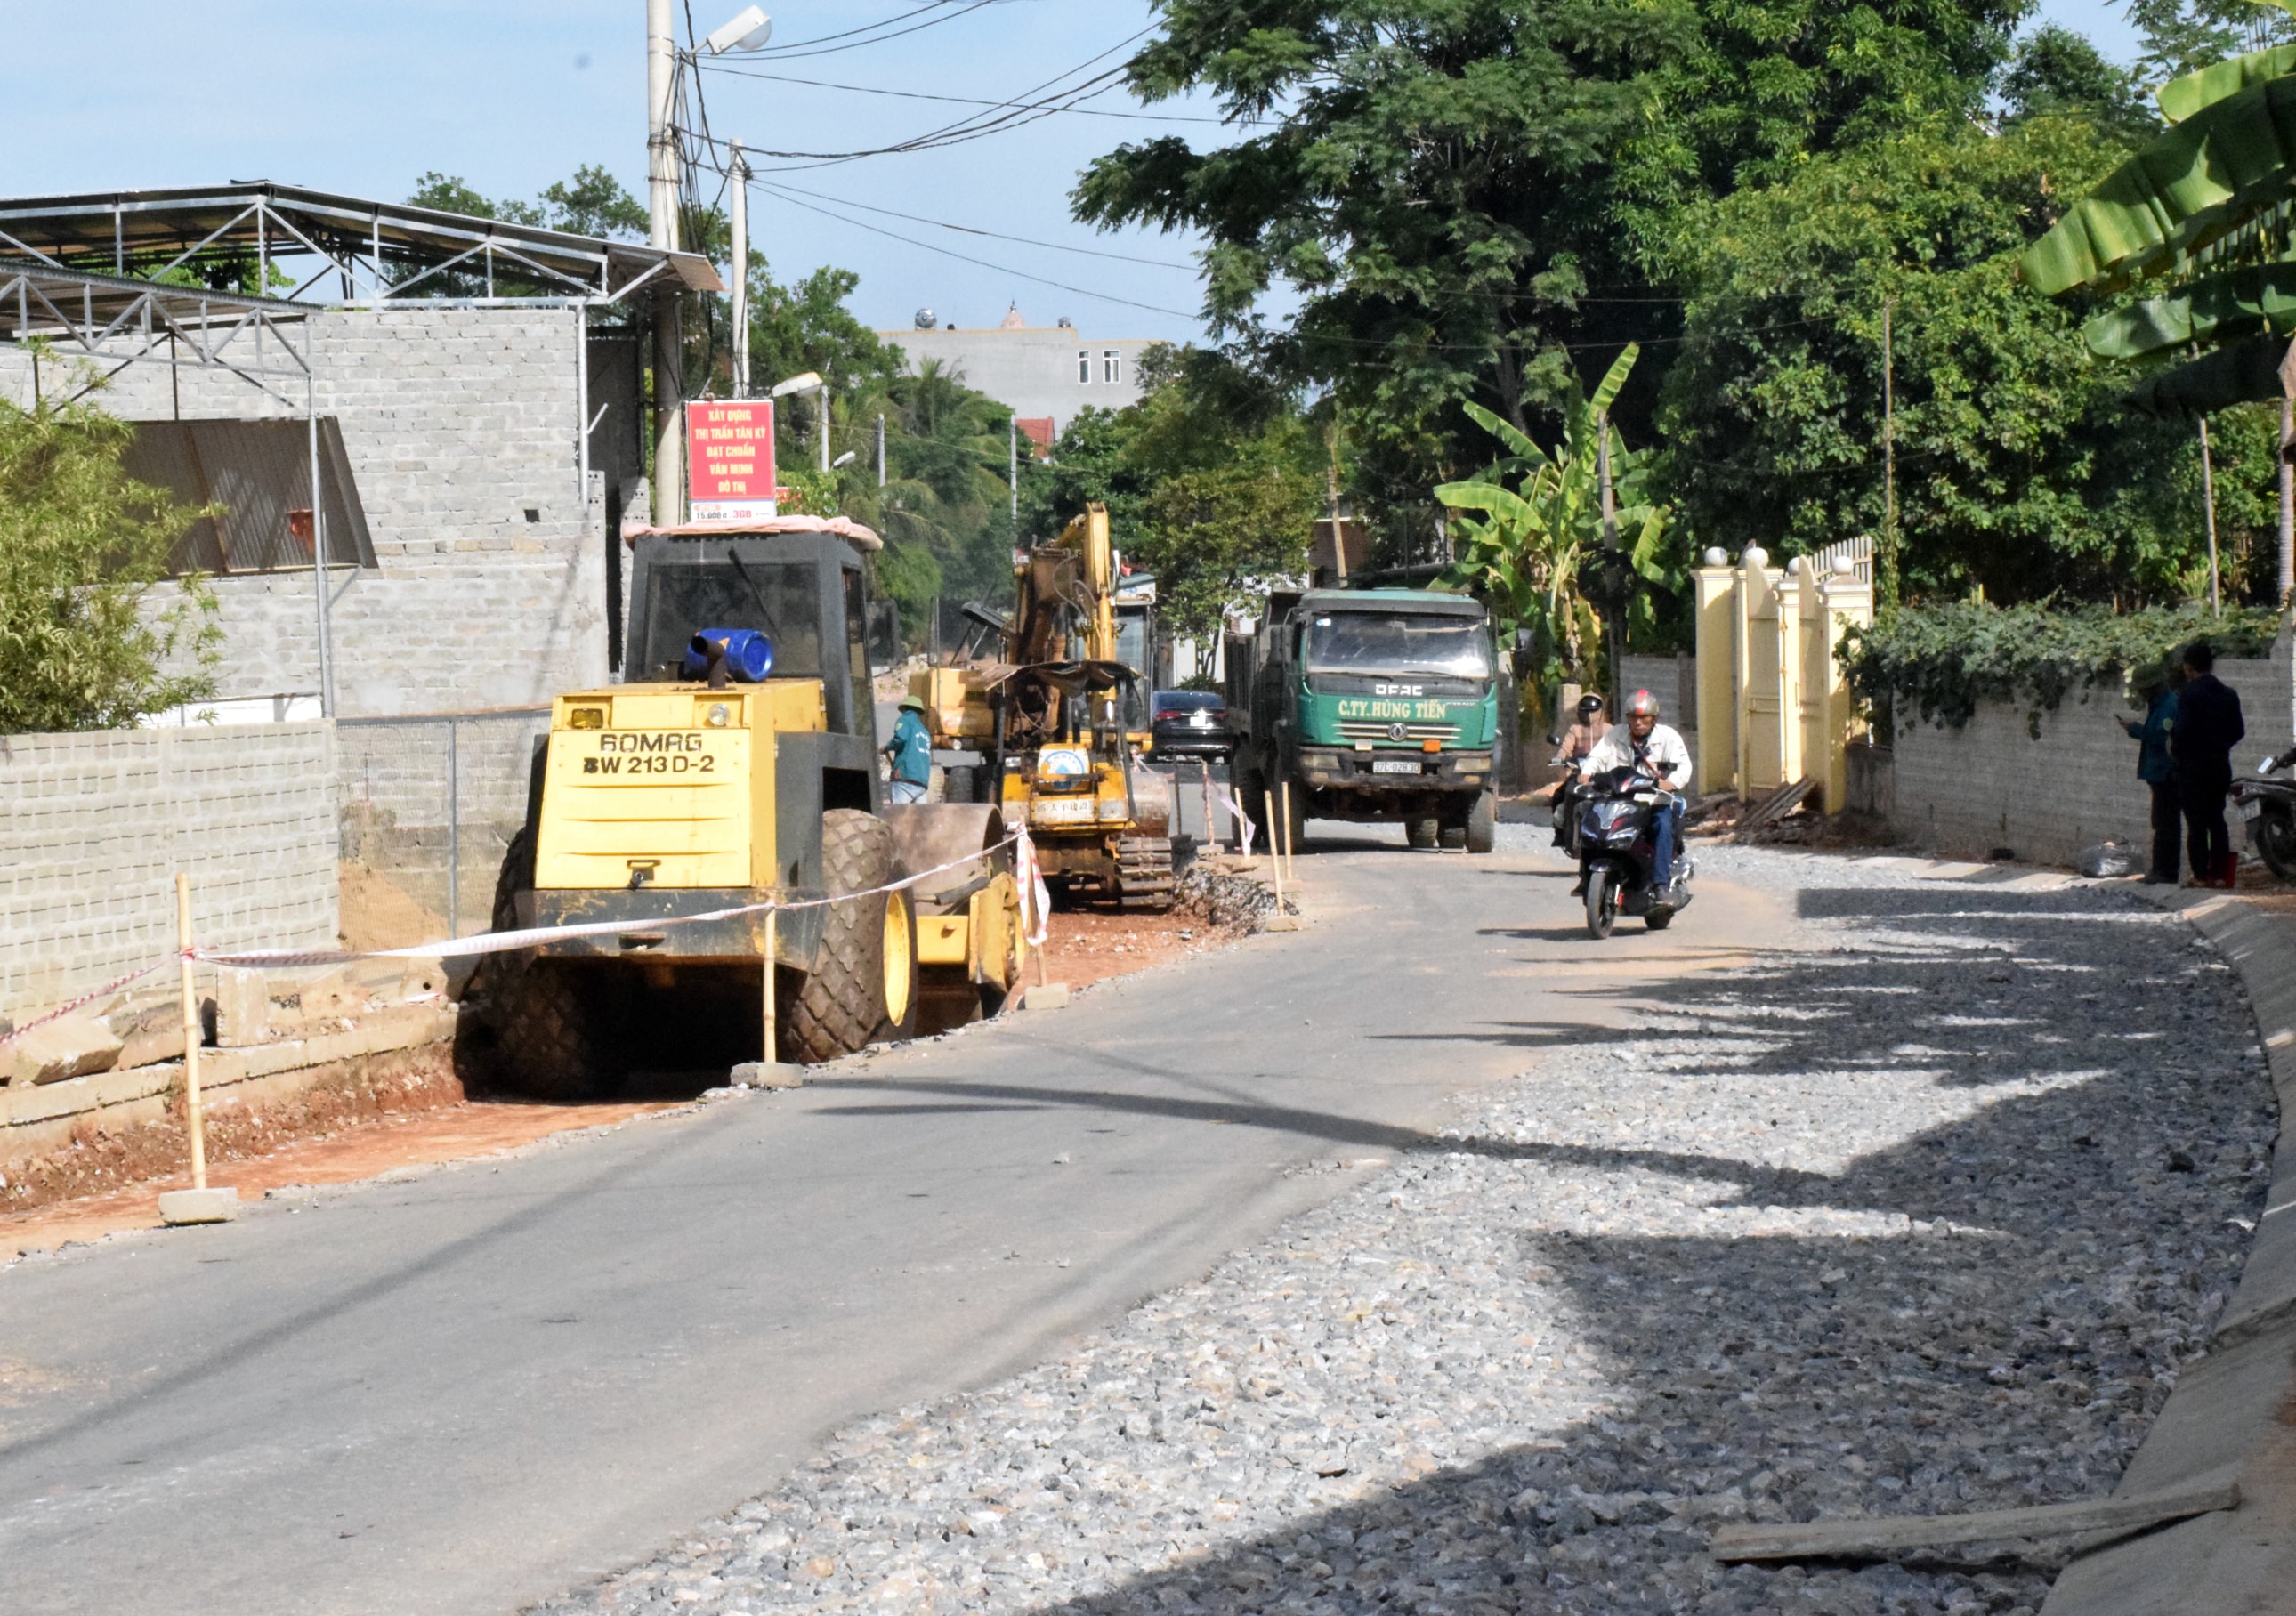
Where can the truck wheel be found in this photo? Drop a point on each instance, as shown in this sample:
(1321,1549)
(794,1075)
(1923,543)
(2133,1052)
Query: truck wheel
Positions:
(956,784)
(865,989)
(1482,823)
(1423,832)
(558,1031)
(1453,836)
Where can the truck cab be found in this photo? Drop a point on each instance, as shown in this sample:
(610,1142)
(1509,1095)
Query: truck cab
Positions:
(1373,705)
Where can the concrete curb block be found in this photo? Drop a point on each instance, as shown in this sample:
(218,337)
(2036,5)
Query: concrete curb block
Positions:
(2229,1417)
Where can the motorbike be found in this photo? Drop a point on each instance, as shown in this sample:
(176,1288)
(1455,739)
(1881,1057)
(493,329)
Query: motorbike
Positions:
(1562,809)
(1617,813)
(2268,807)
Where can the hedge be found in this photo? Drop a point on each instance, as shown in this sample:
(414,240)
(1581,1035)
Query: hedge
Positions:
(1941,661)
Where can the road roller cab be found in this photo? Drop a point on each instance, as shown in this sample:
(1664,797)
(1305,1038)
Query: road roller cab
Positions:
(724,807)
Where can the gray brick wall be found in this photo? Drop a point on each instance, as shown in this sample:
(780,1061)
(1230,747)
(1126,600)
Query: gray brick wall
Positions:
(1991,784)
(93,827)
(457,422)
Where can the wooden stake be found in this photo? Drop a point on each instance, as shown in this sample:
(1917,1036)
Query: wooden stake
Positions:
(1211,830)
(191,1032)
(1885,1534)
(773,1010)
(1275,859)
(1290,853)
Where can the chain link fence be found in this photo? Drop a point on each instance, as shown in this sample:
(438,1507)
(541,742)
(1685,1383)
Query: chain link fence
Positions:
(430,802)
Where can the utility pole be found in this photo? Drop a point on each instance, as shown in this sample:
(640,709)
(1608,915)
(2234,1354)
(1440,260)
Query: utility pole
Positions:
(2209,498)
(1885,571)
(880,448)
(824,426)
(1610,551)
(1013,456)
(661,212)
(1331,495)
(739,202)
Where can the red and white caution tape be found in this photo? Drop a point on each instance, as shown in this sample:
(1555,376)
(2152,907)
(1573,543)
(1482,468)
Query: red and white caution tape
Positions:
(1226,799)
(1035,898)
(84,999)
(531,937)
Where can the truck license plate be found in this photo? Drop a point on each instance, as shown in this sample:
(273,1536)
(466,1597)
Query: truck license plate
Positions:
(1395,766)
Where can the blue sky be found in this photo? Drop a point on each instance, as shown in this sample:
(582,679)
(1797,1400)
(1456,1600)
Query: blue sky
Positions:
(512,94)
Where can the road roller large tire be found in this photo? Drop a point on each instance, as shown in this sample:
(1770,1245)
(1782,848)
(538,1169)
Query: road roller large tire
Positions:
(864,989)
(559,1031)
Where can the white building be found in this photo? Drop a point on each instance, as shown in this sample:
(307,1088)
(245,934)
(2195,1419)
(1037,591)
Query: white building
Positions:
(1044,373)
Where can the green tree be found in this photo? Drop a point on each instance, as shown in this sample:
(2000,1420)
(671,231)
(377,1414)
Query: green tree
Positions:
(82,645)
(2184,36)
(2018,469)
(1473,200)
(1524,552)
(2058,73)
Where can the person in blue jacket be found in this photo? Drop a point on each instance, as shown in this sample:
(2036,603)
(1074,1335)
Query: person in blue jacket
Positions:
(911,752)
(2154,767)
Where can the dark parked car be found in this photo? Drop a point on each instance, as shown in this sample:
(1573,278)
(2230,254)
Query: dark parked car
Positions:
(1189,724)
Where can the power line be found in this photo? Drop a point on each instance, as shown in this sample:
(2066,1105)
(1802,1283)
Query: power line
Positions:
(1081,291)
(968,101)
(1005,115)
(916,218)
(799,49)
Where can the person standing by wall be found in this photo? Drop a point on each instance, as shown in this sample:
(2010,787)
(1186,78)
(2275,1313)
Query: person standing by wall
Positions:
(2158,690)
(2209,726)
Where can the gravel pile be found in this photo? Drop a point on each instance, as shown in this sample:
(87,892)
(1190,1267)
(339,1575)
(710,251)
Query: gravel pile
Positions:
(1234,902)
(1923,1216)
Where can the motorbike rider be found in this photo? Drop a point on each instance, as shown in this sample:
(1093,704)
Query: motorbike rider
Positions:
(1651,748)
(1580,739)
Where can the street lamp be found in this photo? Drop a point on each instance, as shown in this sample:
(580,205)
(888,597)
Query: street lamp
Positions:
(803,382)
(844,460)
(749,31)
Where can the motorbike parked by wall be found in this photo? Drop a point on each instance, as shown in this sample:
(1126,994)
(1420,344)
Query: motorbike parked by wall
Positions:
(1616,816)
(2268,806)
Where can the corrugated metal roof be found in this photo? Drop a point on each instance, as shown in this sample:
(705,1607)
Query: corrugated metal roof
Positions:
(259,471)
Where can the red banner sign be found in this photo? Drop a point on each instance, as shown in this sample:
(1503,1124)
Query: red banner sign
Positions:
(729,460)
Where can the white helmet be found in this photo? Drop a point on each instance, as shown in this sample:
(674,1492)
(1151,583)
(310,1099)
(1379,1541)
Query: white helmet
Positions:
(1642,704)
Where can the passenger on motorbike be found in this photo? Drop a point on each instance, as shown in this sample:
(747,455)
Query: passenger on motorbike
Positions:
(1651,748)
(1580,739)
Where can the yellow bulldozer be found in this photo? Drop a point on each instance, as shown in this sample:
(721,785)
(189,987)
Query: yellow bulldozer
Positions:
(1061,723)
(737,769)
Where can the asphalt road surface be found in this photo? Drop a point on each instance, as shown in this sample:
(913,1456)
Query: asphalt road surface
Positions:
(469,1389)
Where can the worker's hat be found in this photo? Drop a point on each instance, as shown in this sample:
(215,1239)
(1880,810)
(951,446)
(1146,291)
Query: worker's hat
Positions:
(917,702)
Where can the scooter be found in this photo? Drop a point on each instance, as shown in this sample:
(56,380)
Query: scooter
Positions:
(1615,851)
(2269,807)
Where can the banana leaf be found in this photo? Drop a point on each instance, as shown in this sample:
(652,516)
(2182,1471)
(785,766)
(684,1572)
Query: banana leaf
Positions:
(2246,373)
(2180,98)
(2198,182)
(2255,299)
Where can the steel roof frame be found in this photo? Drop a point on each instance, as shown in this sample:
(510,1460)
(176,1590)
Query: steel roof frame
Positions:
(355,241)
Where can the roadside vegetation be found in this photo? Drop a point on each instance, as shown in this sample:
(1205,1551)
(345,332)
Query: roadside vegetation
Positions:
(84,644)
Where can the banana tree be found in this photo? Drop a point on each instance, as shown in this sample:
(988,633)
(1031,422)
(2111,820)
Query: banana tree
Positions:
(2209,211)
(1523,548)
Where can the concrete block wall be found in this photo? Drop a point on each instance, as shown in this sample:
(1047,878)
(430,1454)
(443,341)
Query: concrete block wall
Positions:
(457,422)
(395,804)
(93,827)
(1990,785)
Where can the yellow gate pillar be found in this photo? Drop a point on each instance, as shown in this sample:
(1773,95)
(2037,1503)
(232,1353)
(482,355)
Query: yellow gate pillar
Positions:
(1717,623)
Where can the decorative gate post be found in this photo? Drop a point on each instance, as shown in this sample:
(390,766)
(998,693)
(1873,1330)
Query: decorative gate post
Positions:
(1717,584)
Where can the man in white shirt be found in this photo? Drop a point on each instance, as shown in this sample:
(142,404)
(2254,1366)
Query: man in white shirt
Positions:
(1643,743)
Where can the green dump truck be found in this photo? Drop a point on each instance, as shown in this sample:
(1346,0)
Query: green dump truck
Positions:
(1373,705)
